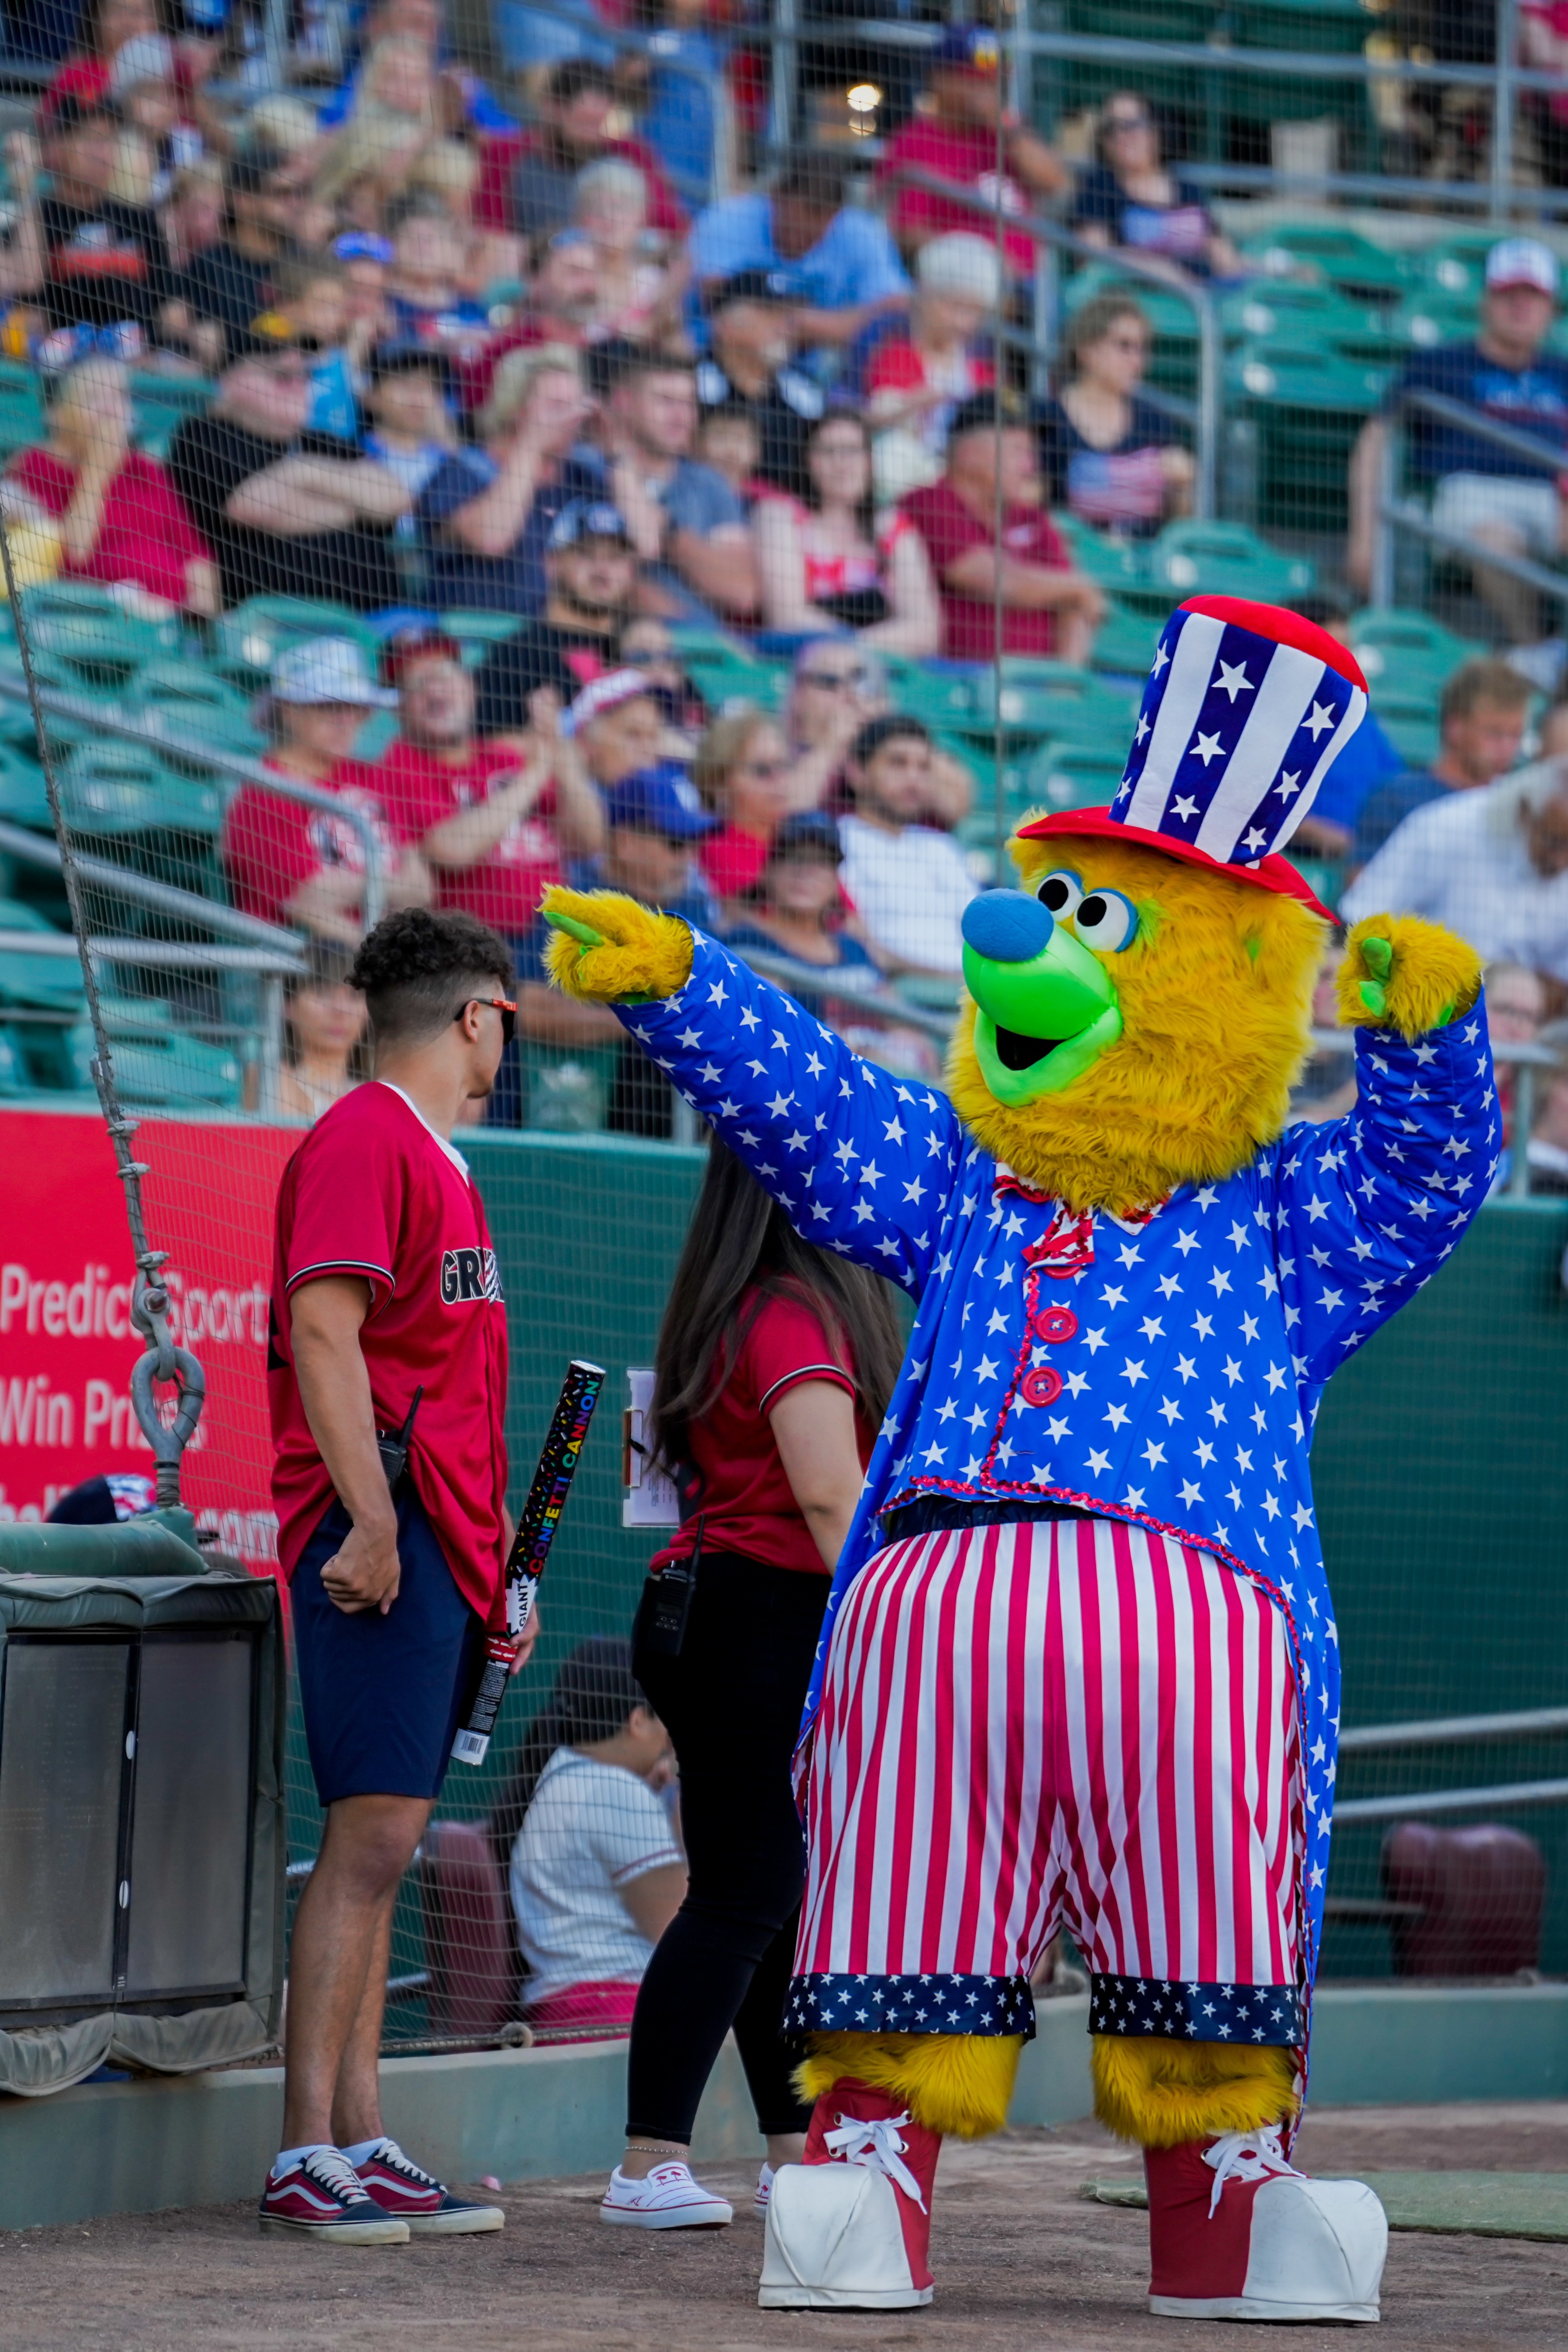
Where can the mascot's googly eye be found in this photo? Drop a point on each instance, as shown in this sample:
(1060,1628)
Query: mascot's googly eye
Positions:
(1061,892)
(1106,921)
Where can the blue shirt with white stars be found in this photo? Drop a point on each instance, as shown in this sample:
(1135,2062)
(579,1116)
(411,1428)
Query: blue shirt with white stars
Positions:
(1173,1379)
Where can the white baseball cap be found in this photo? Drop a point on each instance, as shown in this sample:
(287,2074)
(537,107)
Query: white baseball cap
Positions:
(1522,261)
(960,264)
(328,669)
(604,694)
(148,56)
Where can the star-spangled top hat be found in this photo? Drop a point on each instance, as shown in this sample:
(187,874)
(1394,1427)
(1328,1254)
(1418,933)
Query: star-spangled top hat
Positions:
(1247,708)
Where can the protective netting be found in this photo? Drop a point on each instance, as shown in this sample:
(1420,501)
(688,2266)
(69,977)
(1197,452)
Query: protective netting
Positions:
(747,459)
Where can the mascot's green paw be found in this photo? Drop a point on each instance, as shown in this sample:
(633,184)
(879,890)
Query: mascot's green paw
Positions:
(611,949)
(1402,973)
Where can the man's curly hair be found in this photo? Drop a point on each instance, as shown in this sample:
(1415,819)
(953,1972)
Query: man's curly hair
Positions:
(416,967)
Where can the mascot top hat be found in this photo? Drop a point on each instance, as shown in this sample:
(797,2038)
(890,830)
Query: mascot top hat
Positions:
(1246,709)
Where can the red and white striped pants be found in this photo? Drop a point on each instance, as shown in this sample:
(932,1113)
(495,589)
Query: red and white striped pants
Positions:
(1034,1725)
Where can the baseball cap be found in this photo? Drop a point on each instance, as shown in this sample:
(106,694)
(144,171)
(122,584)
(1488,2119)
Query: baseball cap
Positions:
(74,109)
(587,519)
(662,799)
(808,834)
(960,264)
(973,48)
(1522,261)
(404,356)
(604,694)
(101,1502)
(150,57)
(359,245)
(984,411)
(327,669)
(414,644)
(748,286)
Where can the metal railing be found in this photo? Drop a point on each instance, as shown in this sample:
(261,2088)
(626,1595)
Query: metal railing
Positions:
(1396,513)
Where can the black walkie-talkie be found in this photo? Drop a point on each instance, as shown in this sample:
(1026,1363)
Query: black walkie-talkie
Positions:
(393,1448)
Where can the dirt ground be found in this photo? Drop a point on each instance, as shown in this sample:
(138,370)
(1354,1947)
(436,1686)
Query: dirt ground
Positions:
(1022,2264)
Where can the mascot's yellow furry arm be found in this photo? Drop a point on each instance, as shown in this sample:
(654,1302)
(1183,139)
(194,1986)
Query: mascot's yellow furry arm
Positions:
(1081,1666)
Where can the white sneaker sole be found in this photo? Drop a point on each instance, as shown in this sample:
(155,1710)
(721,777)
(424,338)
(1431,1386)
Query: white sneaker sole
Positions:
(843,2298)
(1252,2306)
(455,2225)
(712,2216)
(389,2232)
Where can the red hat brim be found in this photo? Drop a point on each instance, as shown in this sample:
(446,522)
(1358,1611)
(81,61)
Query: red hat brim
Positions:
(1274,873)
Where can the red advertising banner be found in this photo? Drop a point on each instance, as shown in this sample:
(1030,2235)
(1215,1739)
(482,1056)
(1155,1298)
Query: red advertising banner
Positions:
(67,1344)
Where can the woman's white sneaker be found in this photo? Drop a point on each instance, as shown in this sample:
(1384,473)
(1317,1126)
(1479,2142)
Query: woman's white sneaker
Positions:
(668,2199)
(764,2190)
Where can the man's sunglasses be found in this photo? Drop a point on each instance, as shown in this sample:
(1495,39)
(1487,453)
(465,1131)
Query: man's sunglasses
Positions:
(505,1006)
(833,681)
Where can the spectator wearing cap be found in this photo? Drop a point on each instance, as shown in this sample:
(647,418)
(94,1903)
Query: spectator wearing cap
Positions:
(618,725)
(829,555)
(908,882)
(749,365)
(492,822)
(957,139)
(682,512)
(655,821)
(288,863)
(1107,454)
(107,27)
(105,260)
(487,513)
(310,309)
(917,378)
(795,908)
(121,522)
(1021,590)
(835,261)
(590,573)
(1130,198)
(1489,497)
(286,512)
(412,434)
(226,285)
(573,132)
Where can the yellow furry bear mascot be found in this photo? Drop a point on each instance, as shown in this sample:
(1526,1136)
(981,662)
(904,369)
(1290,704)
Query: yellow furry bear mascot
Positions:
(1080,1667)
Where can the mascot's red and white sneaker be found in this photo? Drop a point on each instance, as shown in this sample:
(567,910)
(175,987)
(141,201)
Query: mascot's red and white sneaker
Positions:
(1236,2232)
(849,2227)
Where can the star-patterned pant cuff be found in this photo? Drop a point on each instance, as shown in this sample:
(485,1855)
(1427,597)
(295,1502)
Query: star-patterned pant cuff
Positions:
(1197,2012)
(935,2003)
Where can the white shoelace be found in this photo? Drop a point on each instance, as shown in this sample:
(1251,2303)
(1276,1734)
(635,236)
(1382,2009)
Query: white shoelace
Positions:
(877,2145)
(390,2153)
(330,2169)
(1247,2155)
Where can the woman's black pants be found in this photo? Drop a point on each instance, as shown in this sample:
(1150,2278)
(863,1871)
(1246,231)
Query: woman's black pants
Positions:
(732,1701)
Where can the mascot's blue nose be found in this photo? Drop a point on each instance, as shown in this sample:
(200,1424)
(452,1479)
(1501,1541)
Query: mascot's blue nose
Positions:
(1006,926)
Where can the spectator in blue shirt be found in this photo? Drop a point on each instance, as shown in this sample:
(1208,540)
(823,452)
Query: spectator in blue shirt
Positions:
(836,262)
(421,20)
(487,513)
(1485,496)
(1481,720)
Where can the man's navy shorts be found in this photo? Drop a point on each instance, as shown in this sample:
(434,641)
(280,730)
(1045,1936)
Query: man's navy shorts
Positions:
(382,1696)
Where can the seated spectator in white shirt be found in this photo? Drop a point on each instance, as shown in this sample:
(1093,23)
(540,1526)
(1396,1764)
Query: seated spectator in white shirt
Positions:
(596,1871)
(908,882)
(1492,864)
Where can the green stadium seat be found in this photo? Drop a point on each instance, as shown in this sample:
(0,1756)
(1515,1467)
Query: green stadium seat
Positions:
(22,423)
(1341,258)
(1291,307)
(155,1061)
(1050,699)
(1109,561)
(478,632)
(1455,265)
(15,1079)
(48,983)
(109,789)
(723,671)
(1407,653)
(941,697)
(1065,776)
(1431,317)
(82,626)
(23,799)
(250,638)
(1225,559)
(1126,639)
(1410,723)
(1305,402)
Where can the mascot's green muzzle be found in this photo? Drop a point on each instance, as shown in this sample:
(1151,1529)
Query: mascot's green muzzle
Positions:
(1045,1008)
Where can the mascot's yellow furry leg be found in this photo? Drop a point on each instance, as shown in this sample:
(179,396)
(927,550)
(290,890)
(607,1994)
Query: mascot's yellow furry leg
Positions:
(1158,2093)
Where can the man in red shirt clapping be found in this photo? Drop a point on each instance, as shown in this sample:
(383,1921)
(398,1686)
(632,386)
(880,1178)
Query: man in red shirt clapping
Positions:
(384,1293)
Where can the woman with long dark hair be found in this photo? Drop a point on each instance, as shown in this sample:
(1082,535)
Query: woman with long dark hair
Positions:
(775,1364)
(830,557)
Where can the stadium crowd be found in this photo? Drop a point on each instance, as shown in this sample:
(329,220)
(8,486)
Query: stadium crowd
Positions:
(487,374)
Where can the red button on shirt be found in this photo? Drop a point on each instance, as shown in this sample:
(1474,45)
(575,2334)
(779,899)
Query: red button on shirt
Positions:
(747,1502)
(968,623)
(372,1192)
(419,790)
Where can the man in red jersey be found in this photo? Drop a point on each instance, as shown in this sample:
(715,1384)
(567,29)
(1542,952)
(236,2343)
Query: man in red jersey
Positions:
(384,1289)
